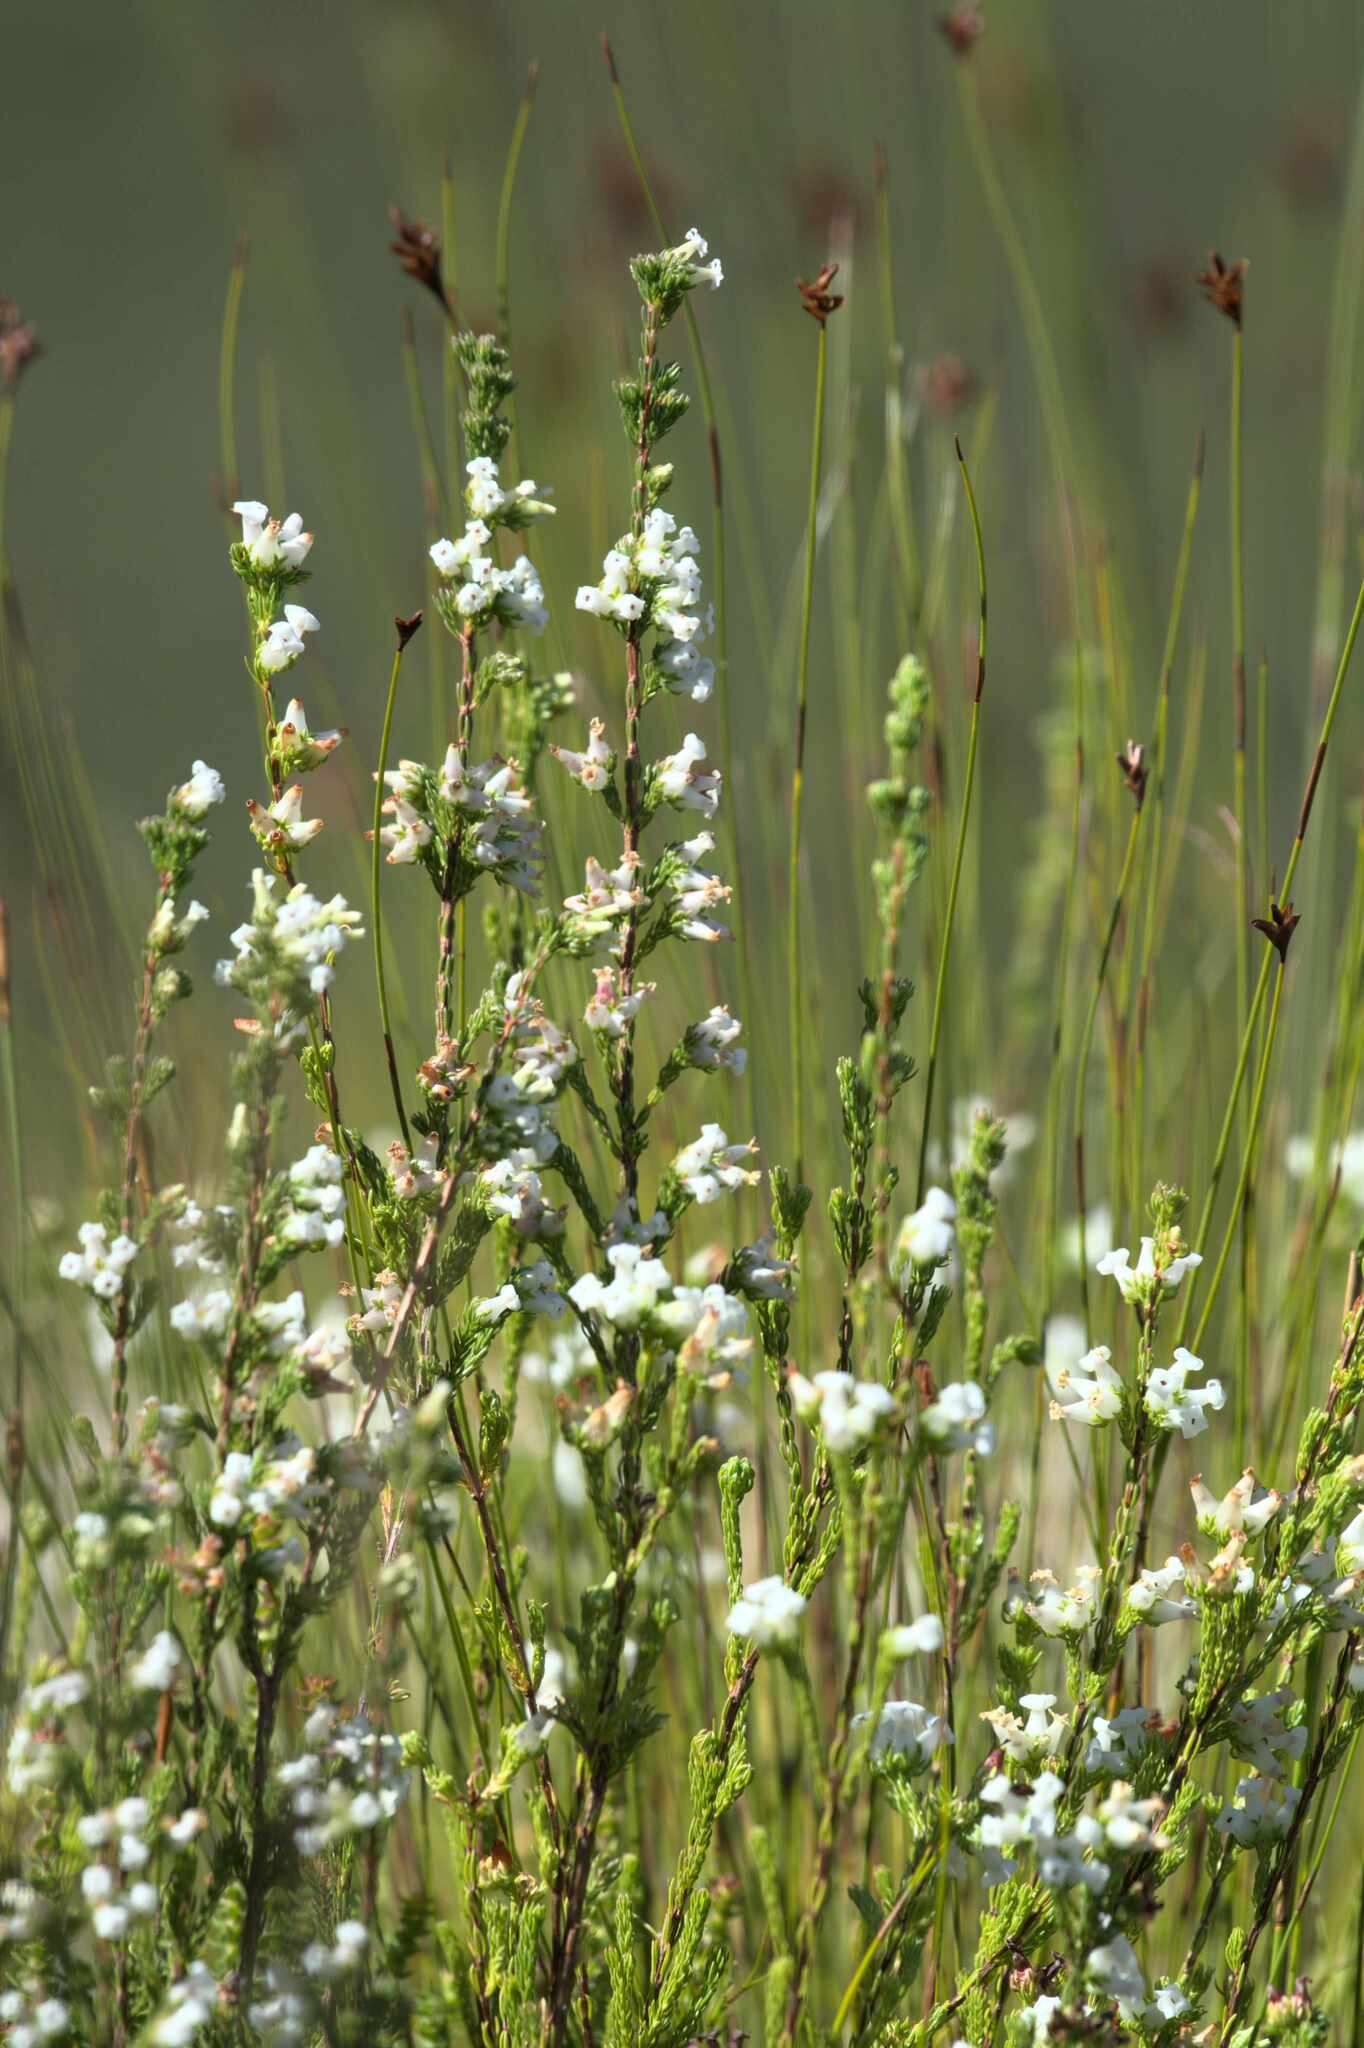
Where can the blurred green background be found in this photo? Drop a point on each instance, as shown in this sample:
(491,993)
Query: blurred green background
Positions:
(141,141)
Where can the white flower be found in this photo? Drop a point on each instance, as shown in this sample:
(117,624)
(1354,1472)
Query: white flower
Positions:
(768,1614)
(635,1287)
(282,823)
(921,1638)
(928,1235)
(1150,1597)
(99,1265)
(155,1670)
(591,768)
(1058,1611)
(493,1307)
(1350,1546)
(692,249)
(610,1009)
(283,642)
(207,1317)
(847,1412)
(1114,1969)
(1244,1510)
(193,799)
(407,835)
(1260,1735)
(1041,1735)
(679,778)
(714,1042)
(908,1731)
(1173,1404)
(710,1166)
(955,1421)
(1142,1283)
(270,543)
(1261,1813)
(1090,1393)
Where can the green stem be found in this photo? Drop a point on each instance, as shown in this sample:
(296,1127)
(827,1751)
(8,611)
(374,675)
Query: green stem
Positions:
(504,218)
(793,951)
(1256,1106)
(945,949)
(1257,1000)
(227,366)
(1087,1039)
(376,920)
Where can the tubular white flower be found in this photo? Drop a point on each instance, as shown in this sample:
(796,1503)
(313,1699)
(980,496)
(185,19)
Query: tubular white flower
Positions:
(193,799)
(1173,1404)
(768,1614)
(1090,1393)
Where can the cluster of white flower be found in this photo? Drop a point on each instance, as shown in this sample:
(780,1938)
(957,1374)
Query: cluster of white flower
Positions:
(284,639)
(927,1237)
(38,1753)
(1172,1403)
(697,892)
(169,933)
(351,1778)
(1146,1282)
(846,1411)
(190,2004)
(195,799)
(906,1734)
(1158,1593)
(317,1200)
(606,899)
(710,1166)
(768,1615)
(1089,1391)
(1261,1813)
(481,592)
(289,945)
(29,2022)
(713,1044)
(272,543)
(1064,1611)
(1038,1738)
(118,1839)
(99,1265)
(955,1420)
(656,580)
(505,838)
(611,1009)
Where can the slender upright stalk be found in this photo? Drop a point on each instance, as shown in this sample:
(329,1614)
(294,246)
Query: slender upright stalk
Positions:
(227,376)
(376,870)
(1087,1039)
(795,991)
(1286,887)
(504,219)
(945,949)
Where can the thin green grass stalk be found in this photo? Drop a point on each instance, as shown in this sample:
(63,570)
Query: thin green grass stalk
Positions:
(449,364)
(504,221)
(376,871)
(1087,1039)
(227,376)
(909,585)
(968,786)
(1256,1108)
(1257,1000)
(795,991)
(1141,956)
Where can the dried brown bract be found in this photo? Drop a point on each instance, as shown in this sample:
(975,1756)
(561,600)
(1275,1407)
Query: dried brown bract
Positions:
(962,28)
(1132,761)
(1278,927)
(1223,285)
(406,627)
(815,295)
(417,248)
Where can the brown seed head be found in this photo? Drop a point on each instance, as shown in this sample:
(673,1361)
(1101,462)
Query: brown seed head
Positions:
(406,628)
(815,295)
(962,28)
(1279,926)
(417,248)
(1223,285)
